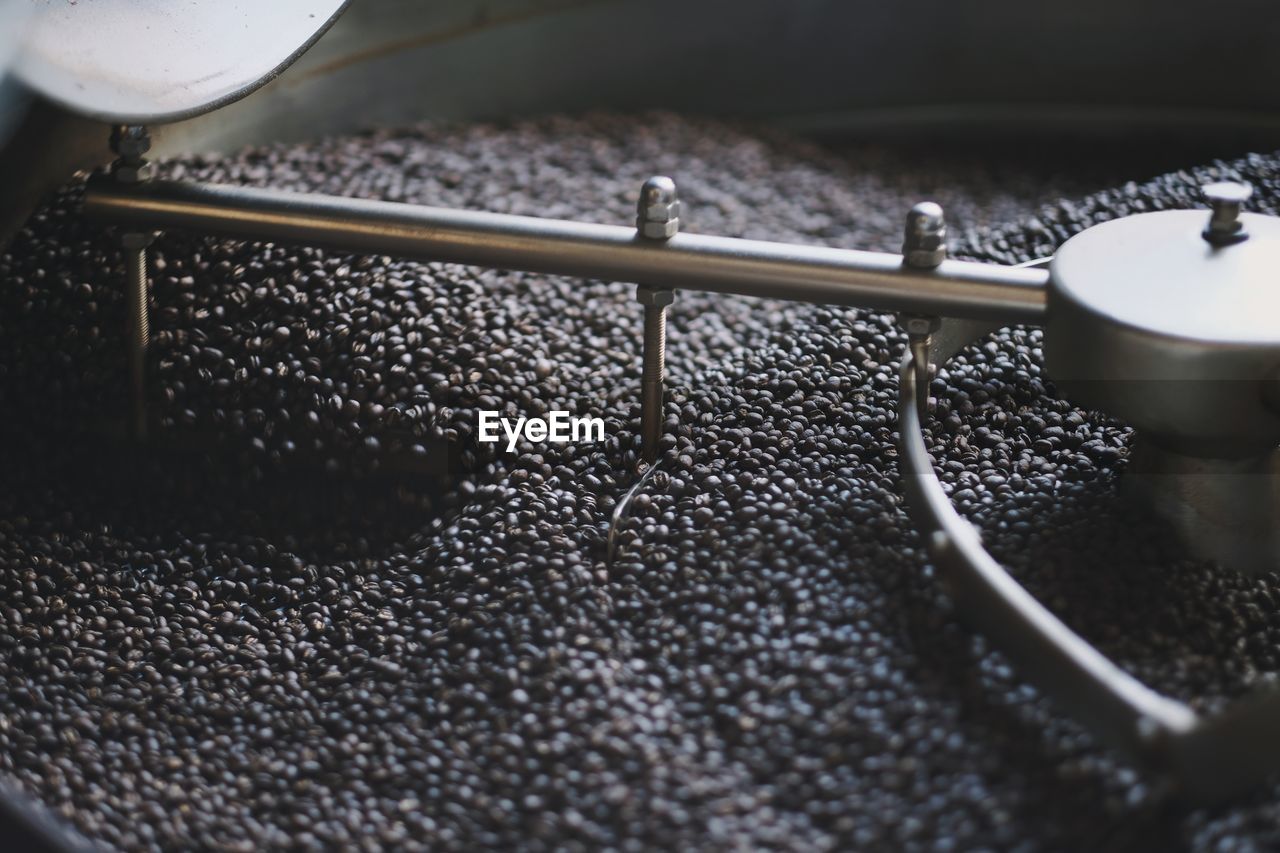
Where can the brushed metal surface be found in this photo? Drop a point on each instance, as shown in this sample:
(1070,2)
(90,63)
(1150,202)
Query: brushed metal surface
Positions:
(877,280)
(1153,272)
(1150,322)
(155,61)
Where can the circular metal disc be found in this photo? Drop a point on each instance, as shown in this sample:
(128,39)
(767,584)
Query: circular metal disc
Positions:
(155,61)
(1155,272)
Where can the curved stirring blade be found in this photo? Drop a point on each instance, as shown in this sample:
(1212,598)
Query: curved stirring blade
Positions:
(157,61)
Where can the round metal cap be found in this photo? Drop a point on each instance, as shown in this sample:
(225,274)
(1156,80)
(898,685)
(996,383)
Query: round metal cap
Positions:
(1152,272)
(1227,192)
(1150,322)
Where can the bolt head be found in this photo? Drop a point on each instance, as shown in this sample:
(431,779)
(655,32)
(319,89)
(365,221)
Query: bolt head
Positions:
(1226,198)
(1227,192)
(654,297)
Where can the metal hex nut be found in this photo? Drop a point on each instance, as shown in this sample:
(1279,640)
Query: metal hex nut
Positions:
(658,209)
(132,173)
(137,239)
(654,297)
(661,212)
(131,143)
(659,230)
(920,324)
(925,258)
(133,148)
(924,243)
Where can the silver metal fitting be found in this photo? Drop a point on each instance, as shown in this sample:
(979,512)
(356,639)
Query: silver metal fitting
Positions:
(920,329)
(658,209)
(1226,199)
(653,375)
(920,324)
(138,239)
(130,142)
(657,218)
(132,173)
(654,297)
(924,242)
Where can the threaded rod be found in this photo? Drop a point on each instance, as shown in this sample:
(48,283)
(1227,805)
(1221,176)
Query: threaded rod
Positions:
(139,336)
(652,379)
(920,344)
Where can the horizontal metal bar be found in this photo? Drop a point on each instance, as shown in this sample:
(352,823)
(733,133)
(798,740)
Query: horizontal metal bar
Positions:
(817,274)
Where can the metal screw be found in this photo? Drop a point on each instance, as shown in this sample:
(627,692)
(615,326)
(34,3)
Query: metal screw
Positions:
(924,241)
(657,218)
(131,143)
(1226,198)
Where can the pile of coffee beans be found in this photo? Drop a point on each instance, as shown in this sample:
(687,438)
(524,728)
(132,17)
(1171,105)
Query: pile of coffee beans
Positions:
(257,634)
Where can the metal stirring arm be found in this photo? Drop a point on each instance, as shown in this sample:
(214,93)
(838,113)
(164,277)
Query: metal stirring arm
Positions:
(1207,760)
(819,274)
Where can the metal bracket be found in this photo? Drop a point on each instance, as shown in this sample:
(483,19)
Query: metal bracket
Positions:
(1205,760)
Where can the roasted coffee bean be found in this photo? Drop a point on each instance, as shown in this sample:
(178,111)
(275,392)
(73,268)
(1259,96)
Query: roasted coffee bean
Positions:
(266,645)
